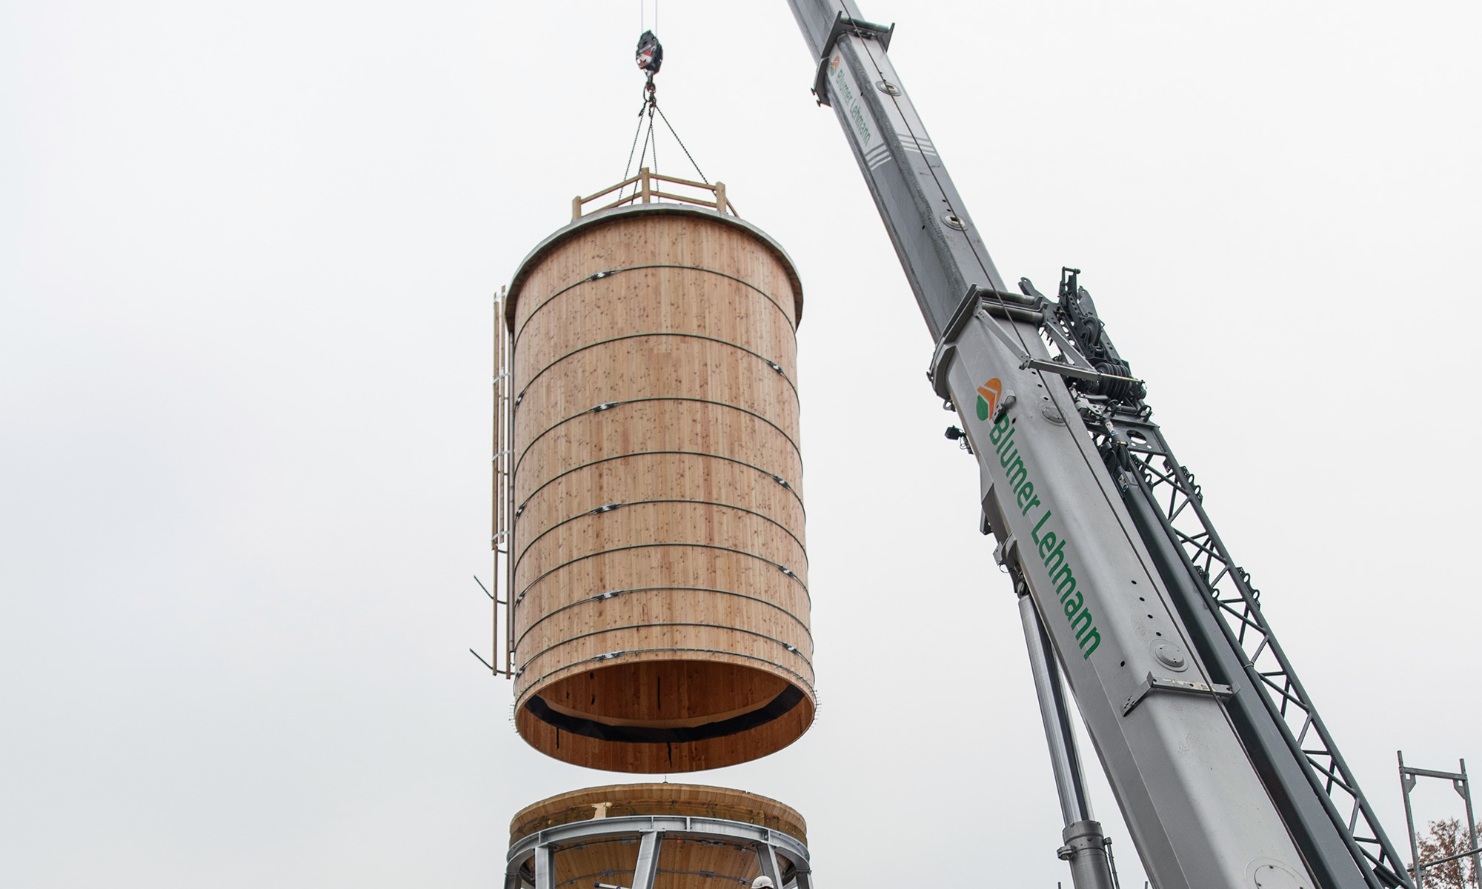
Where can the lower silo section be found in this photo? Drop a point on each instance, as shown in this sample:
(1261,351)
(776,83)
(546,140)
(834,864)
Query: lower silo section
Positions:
(657,836)
(659,579)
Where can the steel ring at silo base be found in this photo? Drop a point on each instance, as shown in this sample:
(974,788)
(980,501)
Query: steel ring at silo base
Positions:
(647,829)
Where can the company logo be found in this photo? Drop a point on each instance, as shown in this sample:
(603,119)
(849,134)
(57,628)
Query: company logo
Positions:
(835,64)
(988,394)
(1020,490)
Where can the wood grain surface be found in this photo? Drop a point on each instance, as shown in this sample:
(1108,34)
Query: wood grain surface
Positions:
(660,568)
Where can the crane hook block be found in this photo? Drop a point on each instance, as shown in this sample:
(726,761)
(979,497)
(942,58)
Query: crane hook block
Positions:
(650,54)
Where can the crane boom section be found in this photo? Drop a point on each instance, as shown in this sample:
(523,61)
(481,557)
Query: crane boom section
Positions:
(1190,793)
(927,219)
(1194,803)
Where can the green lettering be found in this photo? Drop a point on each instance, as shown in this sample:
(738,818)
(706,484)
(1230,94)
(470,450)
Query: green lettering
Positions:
(1094,638)
(1018,472)
(1073,605)
(1046,544)
(1064,582)
(1003,447)
(1053,560)
(1025,492)
(1076,625)
(999,429)
(1052,545)
(1043,519)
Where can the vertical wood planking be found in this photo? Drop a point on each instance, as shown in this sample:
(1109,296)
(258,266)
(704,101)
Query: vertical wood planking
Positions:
(659,567)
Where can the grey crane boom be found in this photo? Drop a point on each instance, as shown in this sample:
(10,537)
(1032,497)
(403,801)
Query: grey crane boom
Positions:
(1217,786)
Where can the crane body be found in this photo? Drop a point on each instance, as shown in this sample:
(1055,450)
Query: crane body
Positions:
(1225,776)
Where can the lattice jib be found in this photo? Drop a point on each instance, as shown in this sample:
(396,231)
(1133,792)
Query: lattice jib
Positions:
(1227,588)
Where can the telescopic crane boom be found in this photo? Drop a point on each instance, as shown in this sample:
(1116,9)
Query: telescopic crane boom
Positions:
(1222,768)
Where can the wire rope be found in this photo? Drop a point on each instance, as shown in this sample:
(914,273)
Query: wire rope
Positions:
(650,138)
(650,107)
(682,146)
(643,16)
(643,152)
(628,167)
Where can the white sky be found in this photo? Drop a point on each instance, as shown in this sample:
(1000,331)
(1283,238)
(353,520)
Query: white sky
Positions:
(246,259)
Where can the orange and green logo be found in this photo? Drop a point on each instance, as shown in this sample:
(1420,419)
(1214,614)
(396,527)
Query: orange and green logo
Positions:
(988,394)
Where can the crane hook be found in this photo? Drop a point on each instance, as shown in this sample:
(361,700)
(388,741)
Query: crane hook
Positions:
(650,57)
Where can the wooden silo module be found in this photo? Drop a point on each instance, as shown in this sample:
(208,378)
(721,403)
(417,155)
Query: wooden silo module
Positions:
(683,862)
(660,575)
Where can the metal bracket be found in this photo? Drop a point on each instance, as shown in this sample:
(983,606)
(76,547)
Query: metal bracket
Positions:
(1007,552)
(1079,367)
(1178,686)
(843,24)
(992,303)
(1069,350)
(650,831)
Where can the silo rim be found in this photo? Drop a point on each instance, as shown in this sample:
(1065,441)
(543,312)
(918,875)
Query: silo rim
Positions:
(765,807)
(605,216)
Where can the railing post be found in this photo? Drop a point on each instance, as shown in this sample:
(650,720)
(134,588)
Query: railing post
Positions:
(648,187)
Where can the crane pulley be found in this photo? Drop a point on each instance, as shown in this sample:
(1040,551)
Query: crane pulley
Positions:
(650,56)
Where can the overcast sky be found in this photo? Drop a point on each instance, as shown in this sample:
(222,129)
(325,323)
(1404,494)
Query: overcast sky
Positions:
(247,253)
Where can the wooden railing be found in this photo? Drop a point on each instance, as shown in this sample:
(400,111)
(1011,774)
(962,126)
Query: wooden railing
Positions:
(646,189)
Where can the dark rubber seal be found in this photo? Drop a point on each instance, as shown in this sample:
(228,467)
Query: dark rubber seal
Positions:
(638,734)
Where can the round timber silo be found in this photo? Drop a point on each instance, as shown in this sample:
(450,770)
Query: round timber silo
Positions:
(698,838)
(660,619)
